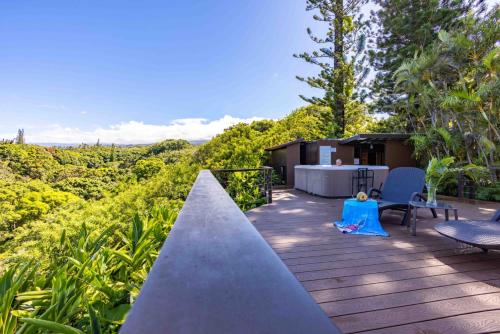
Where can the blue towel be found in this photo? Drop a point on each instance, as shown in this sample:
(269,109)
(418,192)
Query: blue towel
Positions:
(360,218)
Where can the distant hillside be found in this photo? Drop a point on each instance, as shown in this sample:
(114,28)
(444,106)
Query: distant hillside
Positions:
(193,142)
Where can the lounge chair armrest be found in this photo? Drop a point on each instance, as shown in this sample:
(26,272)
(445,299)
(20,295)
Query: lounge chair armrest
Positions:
(417,197)
(372,191)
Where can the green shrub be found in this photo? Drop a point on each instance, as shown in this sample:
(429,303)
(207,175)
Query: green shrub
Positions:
(90,282)
(145,169)
(489,192)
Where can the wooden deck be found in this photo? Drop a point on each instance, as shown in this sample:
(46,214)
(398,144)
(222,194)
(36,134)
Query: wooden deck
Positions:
(401,284)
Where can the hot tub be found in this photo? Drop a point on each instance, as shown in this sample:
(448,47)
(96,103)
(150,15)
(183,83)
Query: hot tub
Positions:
(332,180)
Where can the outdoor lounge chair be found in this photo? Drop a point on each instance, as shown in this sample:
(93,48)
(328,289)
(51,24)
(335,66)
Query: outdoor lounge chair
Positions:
(403,184)
(478,233)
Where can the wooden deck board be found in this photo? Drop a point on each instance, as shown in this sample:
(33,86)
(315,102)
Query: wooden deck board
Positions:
(304,261)
(385,288)
(474,323)
(407,298)
(348,281)
(374,260)
(400,284)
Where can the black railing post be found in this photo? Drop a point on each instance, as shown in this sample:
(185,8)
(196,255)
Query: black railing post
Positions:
(460,185)
(269,182)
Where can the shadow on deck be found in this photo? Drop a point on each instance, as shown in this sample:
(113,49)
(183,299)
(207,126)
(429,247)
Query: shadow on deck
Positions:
(400,284)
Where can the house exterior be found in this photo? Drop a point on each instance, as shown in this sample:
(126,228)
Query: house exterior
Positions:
(390,149)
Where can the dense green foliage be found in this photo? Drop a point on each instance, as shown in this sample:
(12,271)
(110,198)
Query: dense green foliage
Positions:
(80,228)
(453,93)
(439,80)
(40,184)
(67,258)
(406,28)
(91,282)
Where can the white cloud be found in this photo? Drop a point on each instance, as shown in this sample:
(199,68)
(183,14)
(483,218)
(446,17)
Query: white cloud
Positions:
(133,132)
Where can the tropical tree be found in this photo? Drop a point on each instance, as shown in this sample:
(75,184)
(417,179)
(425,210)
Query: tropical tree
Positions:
(405,28)
(340,56)
(452,92)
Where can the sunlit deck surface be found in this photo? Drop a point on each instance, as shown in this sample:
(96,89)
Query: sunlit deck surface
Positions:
(401,284)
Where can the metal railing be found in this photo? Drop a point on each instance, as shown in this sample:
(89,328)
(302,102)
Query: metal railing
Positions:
(265,179)
(467,188)
(216,274)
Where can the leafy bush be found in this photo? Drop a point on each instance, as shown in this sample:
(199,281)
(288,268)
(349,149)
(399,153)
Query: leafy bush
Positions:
(23,202)
(145,169)
(86,188)
(90,282)
(28,160)
(489,192)
(167,146)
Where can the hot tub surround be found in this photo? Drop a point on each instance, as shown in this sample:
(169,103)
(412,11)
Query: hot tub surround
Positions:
(331,180)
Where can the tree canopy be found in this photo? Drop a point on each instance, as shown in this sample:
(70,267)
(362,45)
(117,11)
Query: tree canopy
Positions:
(403,29)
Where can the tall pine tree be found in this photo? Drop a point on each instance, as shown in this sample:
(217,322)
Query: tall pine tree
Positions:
(407,28)
(340,56)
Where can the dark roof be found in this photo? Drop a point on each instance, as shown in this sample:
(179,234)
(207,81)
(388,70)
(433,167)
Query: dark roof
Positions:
(325,139)
(363,137)
(368,137)
(277,147)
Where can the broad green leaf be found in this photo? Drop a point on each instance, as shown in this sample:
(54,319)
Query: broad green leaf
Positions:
(51,326)
(117,314)
(95,325)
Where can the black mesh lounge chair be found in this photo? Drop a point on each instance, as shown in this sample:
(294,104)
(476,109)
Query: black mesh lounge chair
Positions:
(402,185)
(478,233)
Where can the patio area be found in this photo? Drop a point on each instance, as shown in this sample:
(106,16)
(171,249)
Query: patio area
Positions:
(401,284)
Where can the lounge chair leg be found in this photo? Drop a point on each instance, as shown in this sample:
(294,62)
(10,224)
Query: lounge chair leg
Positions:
(405,218)
(434,214)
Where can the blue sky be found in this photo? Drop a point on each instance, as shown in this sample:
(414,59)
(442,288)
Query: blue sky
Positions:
(133,71)
(142,71)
